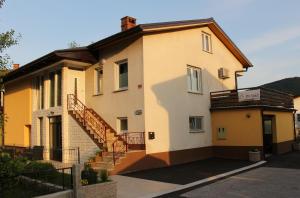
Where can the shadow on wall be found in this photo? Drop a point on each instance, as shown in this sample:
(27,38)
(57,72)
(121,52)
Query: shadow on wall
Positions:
(171,121)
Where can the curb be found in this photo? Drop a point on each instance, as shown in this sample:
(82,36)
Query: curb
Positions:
(206,180)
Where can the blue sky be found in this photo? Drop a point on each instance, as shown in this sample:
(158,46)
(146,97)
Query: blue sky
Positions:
(268,31)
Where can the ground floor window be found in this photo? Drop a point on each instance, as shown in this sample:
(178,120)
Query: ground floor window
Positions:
(196,123)
(41,130)
(298,117)
(123,124)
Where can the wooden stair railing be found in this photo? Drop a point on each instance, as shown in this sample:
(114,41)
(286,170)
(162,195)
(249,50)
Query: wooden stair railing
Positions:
(93,121)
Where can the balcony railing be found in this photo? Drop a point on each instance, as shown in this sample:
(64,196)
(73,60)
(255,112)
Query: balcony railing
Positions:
(248,97)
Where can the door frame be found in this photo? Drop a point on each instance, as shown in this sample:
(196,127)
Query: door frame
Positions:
(273,127)
(55,153)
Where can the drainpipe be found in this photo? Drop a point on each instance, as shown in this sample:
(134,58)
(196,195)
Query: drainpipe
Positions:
(236,76)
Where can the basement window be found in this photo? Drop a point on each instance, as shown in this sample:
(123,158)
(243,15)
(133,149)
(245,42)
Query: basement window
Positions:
(196,124)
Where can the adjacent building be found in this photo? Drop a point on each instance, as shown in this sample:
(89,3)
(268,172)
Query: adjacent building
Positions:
(151,95)
(290,86)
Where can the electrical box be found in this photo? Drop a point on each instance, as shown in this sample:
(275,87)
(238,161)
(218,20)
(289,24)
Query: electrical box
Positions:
(221,133)
(151,135)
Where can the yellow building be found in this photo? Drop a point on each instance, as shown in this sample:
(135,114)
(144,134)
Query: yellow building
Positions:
(146,88)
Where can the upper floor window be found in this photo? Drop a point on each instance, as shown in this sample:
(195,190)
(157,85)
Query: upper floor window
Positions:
(59,88)
(55,88)
(122,75)
(39,84)
(298,117)
(194,79)
(206,42)
(98,81)
(196,123)
(52,88)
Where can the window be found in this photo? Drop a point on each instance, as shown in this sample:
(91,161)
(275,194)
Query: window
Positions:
(41,130)
(98,81)
(123,124)
(206,42)
(122,75)
(196,123)
(59,88)
(52,89)
(298,117)
(39,84)
(194,79)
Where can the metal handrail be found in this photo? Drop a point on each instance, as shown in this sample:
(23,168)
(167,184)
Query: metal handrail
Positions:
(94,121)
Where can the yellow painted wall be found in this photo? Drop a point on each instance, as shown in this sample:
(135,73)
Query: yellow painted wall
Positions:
(240,130)
(168,104)
(297,107)
(17,108)
(284,125)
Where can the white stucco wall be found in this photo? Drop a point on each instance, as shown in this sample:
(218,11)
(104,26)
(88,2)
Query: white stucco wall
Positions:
(111,104)
(168,104)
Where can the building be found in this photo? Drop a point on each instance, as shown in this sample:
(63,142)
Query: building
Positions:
(143,96)
(291,86)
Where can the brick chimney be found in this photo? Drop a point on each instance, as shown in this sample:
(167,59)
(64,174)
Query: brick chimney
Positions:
(16,66)
(127,23)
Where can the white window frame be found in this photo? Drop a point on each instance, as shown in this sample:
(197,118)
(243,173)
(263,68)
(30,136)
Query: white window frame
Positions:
(119,120)
(194,79)
(298,117)
(98,81)
(206,42)
(117,75)
(195,130)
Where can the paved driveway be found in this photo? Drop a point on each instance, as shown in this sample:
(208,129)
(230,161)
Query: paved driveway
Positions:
(280,177)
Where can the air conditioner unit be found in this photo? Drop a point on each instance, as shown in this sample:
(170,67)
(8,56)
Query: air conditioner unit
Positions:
(223,73)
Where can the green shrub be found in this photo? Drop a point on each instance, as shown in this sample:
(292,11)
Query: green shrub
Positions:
(39,170)
(11,167)
(89,174)
(104,175)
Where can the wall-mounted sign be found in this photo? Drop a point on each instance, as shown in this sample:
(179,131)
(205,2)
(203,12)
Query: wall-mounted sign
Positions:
(249,95)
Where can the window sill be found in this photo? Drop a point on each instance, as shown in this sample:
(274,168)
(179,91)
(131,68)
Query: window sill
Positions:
(121,89)
(99,94)
(200,131)
(210,52)
(194,92)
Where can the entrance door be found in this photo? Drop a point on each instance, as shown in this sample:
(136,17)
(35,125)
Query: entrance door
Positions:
(55,138)
(268,122)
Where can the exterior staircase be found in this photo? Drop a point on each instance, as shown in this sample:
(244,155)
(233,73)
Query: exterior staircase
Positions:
(114,147)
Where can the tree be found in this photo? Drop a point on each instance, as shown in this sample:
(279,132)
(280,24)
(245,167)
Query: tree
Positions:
(73,44)
(7,39)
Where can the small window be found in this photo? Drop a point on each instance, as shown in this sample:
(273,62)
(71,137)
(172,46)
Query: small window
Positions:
(122,75)
(298,117)
(123,124)
(196,123)
(98,81)
(206,42)
(52,89)
(59,88)
(41,130)
(194,79)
